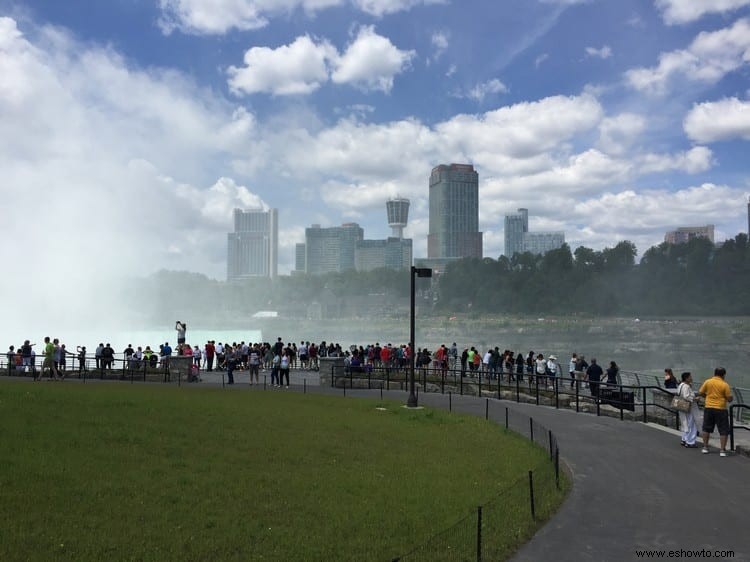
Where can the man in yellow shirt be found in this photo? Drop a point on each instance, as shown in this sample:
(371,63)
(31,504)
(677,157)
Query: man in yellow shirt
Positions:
(717,394)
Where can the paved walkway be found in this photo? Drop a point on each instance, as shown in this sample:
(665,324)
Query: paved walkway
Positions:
(634,486)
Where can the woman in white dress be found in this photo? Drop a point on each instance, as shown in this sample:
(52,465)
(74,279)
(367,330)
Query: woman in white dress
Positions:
(689,419)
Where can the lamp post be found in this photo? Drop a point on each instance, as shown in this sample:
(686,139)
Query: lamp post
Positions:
(415,272)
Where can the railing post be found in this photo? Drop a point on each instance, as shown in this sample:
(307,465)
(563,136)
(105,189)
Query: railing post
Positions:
(506,417)
(442,384)
(597,400)
(645,415)
(479,533)
(450,401)
(486,408)
(577,396)
(549,436)
(304,386)
(622,416)
(264,381)
(557,467)
(731,428)
(557,394)
(518,390)
(480,384)
(461,386)
(424,380)
(536,379)
(531,494)
(531,429)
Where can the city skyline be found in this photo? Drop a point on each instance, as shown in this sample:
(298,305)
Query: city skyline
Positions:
(139,126)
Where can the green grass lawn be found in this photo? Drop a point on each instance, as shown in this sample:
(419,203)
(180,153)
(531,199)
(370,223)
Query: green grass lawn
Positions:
(121,472)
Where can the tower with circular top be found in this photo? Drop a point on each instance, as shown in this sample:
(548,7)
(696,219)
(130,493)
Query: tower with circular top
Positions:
(398,215)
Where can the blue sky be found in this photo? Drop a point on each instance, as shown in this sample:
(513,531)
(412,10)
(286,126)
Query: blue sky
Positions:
(131,128)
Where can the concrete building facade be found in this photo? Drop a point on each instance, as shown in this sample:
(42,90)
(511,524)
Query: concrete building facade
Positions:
(686,233)
(331,249)
(253,247)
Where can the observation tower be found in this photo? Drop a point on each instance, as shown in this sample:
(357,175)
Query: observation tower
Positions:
(398,215)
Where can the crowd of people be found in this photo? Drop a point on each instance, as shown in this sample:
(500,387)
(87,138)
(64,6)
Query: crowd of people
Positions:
(279,358)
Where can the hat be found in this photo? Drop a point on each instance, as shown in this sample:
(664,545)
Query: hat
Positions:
(554,358)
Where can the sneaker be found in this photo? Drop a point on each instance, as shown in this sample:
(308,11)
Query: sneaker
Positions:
(723,454)
(704,450)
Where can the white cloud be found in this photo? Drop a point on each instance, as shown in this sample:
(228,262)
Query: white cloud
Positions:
(440,41)
(709,58)
(480,91)
(540,59)
(685,11)
(720,120)
(371,62)
(603,53)
(697,159)
(380,8)
(208,17)
(298,68)
(618,133)
(115,158)
(451,71)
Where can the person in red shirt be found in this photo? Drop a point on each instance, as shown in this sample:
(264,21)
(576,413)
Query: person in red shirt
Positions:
(210,353)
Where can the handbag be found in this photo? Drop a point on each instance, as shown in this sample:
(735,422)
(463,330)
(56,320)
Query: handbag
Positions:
(681,404)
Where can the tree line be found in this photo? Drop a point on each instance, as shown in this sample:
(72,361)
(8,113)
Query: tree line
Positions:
(696,278)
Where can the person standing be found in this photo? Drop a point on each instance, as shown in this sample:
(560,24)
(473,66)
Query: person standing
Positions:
(181,328)
(688,419)
(230,357)
(717,394)
(254,363)
(572,369)
(210,352)
(49,359)
(670,381)
(594,376)
(284,368)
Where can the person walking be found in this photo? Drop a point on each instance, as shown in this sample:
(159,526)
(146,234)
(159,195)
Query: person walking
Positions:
(594,376)
(230,357)
(181,328)
(284,368)
(717,393)
(688,419)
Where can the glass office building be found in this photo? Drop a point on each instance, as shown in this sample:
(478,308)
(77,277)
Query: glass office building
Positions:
(454,213)
(331,249)
(253,247)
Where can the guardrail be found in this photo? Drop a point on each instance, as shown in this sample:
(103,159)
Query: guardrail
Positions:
(732,425)
(643,403)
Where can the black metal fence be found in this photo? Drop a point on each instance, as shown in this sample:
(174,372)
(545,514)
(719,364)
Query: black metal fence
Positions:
(493,530)
(642,403)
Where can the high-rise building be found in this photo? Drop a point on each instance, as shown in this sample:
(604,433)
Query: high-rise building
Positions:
(331,249)
(686,233)
(398,215)
(516,225)
(518,239)
(299,257)
(393,253)
(542,242)
(454,213)
(253,247)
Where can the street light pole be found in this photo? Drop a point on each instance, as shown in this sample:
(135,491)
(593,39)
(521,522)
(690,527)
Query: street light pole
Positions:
(415,272)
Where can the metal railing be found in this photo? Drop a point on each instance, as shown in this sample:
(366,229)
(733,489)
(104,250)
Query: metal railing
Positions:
(488,531)
(732,424)
(642,403)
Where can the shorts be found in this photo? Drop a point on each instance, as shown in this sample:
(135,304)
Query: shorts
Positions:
(714,417)
(180,340)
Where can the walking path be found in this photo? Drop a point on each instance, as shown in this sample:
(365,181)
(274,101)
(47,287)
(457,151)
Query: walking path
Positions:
(634,486)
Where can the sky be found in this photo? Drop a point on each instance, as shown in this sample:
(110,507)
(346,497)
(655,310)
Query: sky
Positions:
(130,129)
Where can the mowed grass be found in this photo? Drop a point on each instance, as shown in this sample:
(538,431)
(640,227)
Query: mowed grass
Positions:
(121,472)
